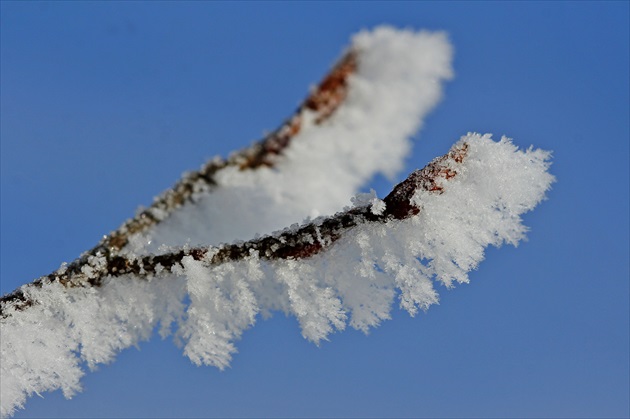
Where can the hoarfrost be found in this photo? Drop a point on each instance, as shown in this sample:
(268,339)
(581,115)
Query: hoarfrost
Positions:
(397,82)
(353,282)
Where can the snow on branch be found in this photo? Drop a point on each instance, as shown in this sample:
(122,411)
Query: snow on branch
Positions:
(321,104)
(356,123)
(345,269)
(167,268)
(298,243)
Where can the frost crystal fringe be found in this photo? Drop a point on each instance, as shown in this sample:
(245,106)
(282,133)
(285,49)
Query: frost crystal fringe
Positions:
(299,243)
(331,272)
(346,269)
(322,102)
(355,124)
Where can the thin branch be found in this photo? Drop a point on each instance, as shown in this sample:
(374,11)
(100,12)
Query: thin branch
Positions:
(303,242)
(323,101)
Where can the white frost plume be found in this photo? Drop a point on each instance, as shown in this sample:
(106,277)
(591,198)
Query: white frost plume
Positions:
(354,277)
(44,347)
(397,81)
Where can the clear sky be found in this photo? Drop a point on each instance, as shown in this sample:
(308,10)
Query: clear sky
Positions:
(104,105)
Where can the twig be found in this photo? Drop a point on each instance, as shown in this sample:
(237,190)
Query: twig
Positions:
(323,101)
(304,242)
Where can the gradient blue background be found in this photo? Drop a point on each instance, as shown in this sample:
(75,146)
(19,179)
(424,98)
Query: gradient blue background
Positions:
(104,105)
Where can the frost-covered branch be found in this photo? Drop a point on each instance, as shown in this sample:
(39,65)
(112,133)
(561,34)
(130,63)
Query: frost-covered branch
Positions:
(167,268)
(332,272)
(355,123)
(103,259)
(320,104)
(294,243)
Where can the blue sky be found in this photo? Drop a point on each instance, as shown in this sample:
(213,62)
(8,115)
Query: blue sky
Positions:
(104,105)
